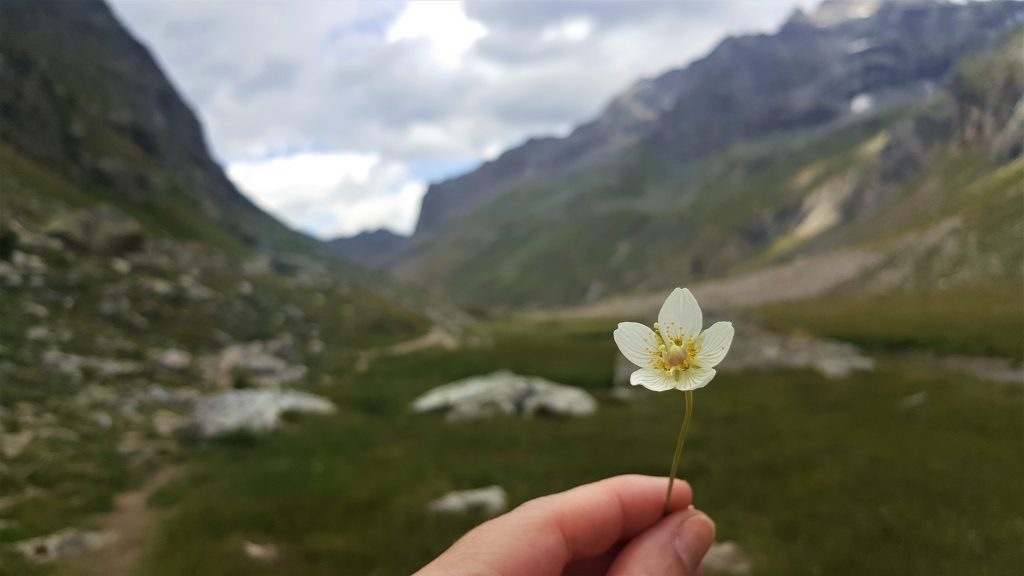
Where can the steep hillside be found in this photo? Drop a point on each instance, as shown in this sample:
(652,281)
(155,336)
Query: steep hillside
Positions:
(775,146)
(83,98)
(134,279)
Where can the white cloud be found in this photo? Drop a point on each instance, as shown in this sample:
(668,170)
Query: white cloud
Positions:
(443,24)
(413,84)
(573,30)
(333,194)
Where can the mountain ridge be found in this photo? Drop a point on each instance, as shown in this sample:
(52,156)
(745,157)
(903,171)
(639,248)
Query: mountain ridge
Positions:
(806,78)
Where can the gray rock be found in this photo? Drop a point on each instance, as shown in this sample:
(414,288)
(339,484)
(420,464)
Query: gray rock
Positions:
(102,230)
(252,410)
(913,401)
(37,310)
(754,350)
(267,552)
(193,289)
(12,445)
(491,500)
(65,543)
(727,558)
(167,423)
(503,392)
(101,419)
(258,362)
(990,369)
(171,359)
(73,365)
(9,276)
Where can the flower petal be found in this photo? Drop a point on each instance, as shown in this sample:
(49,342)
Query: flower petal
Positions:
(638,343)
(680,316)
(715,344)
(651,379)
(695,377)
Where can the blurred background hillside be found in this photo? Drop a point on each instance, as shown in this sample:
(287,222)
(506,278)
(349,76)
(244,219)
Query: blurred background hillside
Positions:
(211,349)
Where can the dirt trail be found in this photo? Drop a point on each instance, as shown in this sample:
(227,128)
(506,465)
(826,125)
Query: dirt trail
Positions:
(131,521)
(436,338)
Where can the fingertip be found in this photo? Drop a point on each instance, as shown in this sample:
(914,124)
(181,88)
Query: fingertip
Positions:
(682,496)
(693,539)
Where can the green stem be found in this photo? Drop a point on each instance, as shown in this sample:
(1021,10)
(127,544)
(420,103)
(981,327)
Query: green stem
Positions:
(679,449)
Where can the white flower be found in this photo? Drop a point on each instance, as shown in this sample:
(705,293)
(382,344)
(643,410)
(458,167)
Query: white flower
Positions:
(676,354)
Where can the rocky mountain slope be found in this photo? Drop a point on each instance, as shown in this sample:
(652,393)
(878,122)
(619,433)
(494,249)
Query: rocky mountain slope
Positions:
(770,147)
(83,98)
(136,283)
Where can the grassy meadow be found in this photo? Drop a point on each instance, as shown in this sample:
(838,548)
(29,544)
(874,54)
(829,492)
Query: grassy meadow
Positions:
(808,475)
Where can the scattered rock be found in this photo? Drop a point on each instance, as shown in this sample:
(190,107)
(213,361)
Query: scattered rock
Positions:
(37,310)
(9,277)
(491,500)
(253,410)
(504,392)
(761,350)
(167,423)
(257,363)
(12,445)
(991,369)
(39,333)
(914,400)
(194,289)
(121,266)
(73,365)
(755,349)
(102,230)
(57,433)
(157,286)
(171,360)
(727,558)
(62,544)
(29,263)
(261,552)
(101,419)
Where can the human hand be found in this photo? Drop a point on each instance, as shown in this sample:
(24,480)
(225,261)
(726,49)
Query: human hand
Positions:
(612,527)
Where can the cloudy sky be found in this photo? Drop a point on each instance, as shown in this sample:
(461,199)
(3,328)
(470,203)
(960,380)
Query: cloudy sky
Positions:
(336,115)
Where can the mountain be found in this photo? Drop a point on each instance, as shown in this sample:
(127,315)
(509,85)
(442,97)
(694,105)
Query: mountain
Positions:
(116,225)
(82,97)
(368,248)
(746,157)
(138,289)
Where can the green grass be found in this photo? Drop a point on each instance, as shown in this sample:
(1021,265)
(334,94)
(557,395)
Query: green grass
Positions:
(810,476)
(986,321)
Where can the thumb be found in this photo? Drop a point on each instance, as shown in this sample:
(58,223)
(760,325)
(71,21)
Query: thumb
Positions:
(675,546)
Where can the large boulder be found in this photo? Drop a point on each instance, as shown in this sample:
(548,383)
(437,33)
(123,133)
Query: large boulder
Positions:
(257,363)
(491,500)
(727,559)
(251,410)
(65,543)
(102,230)
(504,392)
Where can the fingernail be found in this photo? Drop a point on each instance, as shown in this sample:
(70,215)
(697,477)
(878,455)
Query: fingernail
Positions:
(693,541)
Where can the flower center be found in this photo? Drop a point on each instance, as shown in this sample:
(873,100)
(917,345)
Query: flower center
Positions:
(679,355)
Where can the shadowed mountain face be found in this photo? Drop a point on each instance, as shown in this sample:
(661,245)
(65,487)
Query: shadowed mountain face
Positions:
(368,248)
(79,95)
(769,147)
